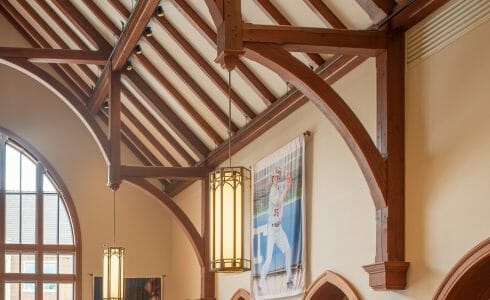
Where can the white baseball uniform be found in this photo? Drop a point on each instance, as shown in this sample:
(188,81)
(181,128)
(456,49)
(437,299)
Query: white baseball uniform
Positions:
(275,232)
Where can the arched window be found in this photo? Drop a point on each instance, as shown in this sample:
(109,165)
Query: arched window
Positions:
(39,246)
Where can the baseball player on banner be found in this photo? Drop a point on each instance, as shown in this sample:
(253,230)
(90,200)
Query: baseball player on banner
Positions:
(278,223)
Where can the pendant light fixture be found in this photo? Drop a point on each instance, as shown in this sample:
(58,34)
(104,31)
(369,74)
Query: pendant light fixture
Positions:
(229,188)
(113,278)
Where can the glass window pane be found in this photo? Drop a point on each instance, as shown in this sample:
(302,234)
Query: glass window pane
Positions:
(28,263)
(28,232)
(66,263)
(66,291)
(28,172)
(50,263)
(12,291)
(12,262)
(12,219)
(48,186)
(50,291)
(50,219)
(12,169)
(28,291)
(65,232)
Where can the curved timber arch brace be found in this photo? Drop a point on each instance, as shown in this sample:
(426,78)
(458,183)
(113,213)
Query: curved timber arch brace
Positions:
(383,163)
(43,77)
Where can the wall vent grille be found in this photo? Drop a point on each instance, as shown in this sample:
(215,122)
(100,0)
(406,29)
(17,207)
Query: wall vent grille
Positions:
(444,27)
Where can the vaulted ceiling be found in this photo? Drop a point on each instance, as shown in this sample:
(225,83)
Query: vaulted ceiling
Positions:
(175,103)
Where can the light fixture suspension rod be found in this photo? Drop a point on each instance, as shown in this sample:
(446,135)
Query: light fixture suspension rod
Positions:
(229,118)
(114,218)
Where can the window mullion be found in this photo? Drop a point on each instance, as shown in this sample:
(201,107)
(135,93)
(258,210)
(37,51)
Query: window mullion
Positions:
(39,228)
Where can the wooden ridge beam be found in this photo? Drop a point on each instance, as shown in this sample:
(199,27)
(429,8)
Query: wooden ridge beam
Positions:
(207,32)
(276,16)
(167,114)
(60,56)
(180,173)
(123,49)
(377,9)
(319,40)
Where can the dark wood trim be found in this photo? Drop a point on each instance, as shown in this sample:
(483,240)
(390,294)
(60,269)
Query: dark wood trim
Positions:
(318,40)
(179,173)
(276,16)
(101,16)
(323,12)
(242,294)
(314,291)
(100,91)
(60,56)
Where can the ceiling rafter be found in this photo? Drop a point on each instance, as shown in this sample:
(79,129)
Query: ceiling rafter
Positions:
(325,14)
(276,16)
(207,32)
(79,87)
(82,25)
(158,126)
(206,100)
(54,36)
(149,137)
(167,114)
(377,9)
(123,49)
(193,113)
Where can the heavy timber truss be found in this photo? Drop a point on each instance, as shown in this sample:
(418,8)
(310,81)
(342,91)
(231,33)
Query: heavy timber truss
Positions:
(382,162)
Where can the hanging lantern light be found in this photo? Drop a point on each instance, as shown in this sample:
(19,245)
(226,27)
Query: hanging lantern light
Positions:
(113,271)
(229,189)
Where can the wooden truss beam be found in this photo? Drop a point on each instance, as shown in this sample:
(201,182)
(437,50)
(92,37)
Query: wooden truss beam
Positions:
(323,12)
(186,173)
(123,49)
(412,12)
(318,40)
(60,56)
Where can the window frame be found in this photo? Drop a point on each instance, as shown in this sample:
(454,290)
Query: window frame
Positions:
(43,168)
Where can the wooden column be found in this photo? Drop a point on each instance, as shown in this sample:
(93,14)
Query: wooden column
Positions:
(207,277)
(389,270)
(115,130)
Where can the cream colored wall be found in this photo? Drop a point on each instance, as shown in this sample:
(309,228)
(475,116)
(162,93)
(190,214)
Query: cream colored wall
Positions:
(38,116)
(448,170)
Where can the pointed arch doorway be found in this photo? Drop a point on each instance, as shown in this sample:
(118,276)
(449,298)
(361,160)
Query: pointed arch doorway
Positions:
(330,286)
(470,277)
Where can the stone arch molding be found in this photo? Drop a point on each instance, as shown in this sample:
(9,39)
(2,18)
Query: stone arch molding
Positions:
(329,277)
(241,294)
(459,279)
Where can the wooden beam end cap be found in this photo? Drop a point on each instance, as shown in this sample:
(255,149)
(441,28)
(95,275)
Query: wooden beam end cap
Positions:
(388,275)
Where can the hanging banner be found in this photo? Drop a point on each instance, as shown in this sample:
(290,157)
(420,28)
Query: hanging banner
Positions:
(278,223)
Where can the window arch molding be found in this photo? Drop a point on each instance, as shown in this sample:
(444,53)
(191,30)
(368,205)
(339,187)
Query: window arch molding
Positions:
(9,137)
